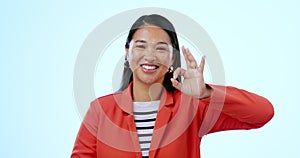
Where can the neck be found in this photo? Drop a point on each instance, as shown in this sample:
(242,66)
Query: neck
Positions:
(144,93)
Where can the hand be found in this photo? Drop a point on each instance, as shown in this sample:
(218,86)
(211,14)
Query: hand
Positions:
(193,83)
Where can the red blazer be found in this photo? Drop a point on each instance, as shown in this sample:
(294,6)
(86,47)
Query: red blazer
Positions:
(108,129)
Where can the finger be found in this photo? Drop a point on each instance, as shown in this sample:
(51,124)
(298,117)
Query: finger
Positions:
(177,72)
(192,60)
(176,84)
(185,55)
(189,58)
(202,64)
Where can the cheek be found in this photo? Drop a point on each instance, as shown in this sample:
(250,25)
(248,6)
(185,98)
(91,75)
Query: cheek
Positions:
(166,61)
(133,59)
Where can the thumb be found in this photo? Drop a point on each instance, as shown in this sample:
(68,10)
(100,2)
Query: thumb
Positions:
(176,84)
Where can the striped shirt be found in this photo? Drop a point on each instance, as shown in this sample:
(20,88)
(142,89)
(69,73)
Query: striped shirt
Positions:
(144,118)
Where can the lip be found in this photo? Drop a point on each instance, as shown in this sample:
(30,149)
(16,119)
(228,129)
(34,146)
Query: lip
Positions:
(149,68)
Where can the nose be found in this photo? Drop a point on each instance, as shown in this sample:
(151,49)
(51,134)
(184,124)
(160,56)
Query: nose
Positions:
(150,55)
(150,58)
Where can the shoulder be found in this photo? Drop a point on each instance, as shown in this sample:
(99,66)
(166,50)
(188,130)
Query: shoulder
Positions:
(106,100)
(108,96)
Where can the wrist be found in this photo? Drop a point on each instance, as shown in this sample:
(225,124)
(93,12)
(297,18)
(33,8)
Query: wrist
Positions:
(207,92)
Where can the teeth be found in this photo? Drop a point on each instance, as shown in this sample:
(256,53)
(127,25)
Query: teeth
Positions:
(148,67)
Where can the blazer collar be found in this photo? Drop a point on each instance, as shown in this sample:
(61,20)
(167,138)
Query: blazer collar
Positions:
(124,99)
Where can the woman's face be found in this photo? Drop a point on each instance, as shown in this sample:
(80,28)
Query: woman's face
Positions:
(150,54)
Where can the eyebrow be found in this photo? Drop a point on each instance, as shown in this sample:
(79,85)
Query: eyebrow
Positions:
(143,41)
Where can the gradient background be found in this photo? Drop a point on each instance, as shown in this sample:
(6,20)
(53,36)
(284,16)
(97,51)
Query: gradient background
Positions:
(258,42)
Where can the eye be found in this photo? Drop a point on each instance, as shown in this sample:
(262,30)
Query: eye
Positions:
(140,46)
(162,49)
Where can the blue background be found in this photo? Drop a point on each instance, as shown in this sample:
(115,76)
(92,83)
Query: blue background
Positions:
(258,42)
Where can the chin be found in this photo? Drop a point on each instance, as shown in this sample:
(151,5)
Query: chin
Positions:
(151,80)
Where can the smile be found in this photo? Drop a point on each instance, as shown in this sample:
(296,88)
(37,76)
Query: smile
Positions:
(149,67)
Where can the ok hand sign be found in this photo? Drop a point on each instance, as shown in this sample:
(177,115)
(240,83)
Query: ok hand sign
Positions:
(193,81)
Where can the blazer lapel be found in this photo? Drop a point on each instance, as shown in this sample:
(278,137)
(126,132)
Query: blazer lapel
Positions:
(124,101)
(133,135)
(163,117)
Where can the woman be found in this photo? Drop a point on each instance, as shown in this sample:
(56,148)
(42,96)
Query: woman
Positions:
(154,114)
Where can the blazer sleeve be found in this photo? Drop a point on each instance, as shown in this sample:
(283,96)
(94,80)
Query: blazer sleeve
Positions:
(230,108)
(86,140)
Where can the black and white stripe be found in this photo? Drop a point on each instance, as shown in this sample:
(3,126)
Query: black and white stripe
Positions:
(144,117)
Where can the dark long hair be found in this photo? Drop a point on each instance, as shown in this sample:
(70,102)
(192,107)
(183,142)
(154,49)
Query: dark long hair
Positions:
(166,25)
